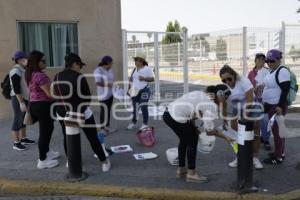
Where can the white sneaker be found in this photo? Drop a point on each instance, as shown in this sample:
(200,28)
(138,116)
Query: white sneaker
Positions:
(131,126)
(67,164)
(233,164)
(144,126)
(257,164)
(106,166)
(47,163)
(51,155)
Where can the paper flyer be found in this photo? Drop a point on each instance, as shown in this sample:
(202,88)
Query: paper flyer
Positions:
(121,149)
(145,156)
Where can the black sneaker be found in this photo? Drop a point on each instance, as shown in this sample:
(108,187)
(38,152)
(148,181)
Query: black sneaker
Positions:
(267,145)
(273,161)
(20,147)
(25,141)
(273,155)
(110,152)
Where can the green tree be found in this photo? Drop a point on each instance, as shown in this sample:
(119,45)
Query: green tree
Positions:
(221,49)
(205,45)
(184,29)
(133,38)
(294,53)
(171,52)
(170,38)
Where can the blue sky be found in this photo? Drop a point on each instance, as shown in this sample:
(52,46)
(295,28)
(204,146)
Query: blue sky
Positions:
(207,15)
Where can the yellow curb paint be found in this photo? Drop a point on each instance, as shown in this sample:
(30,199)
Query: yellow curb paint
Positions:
(40,188)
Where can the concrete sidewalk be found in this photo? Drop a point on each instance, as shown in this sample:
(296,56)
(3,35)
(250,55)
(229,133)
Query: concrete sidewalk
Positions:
(150,175)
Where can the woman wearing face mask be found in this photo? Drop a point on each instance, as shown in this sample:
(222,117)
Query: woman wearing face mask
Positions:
(277,84)
(19,101)
(104,78)
(40,107)
(79,101)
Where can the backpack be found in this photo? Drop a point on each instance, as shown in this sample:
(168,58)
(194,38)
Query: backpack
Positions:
(6,88)
(292,94)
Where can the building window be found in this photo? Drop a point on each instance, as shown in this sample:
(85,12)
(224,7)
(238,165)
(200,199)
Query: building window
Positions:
(55,40)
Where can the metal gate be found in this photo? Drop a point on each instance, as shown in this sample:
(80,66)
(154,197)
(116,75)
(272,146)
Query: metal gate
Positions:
(191,63)
(168,61)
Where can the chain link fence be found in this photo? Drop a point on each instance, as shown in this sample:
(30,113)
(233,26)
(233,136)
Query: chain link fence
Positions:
(189,63)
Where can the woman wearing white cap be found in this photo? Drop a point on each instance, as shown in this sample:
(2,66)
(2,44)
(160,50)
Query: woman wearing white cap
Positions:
(139,90)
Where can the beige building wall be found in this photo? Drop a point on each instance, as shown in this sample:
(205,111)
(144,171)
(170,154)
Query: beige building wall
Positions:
(99,30)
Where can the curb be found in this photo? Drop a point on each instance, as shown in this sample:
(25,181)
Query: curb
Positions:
(42,188)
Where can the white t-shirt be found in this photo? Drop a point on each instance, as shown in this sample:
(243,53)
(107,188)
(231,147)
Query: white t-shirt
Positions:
(104,76)
(272,91)
(185,108)
(242,86)
(146,72)
(261,74)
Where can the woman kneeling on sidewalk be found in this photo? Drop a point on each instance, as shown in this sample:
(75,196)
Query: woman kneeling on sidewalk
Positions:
(180,116)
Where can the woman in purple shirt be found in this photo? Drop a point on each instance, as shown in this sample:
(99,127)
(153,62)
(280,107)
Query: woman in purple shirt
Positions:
(40,105)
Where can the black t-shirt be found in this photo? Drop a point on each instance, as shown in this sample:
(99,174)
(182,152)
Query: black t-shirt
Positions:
(76,96)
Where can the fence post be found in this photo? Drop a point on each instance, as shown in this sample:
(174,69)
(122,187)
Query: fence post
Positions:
(178,53)
(200,60)
(185,64)
(125,56)
(156,68)
(125,65)
(282,42)
(245,53)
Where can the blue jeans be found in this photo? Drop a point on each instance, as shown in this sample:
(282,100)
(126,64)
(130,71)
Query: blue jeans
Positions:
(265,134)
(141,100)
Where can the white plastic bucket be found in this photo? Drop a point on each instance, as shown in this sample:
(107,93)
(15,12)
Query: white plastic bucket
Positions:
(206,143)
(172,156)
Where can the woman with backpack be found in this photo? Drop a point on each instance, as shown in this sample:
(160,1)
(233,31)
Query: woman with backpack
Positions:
(277,86)
(19,101)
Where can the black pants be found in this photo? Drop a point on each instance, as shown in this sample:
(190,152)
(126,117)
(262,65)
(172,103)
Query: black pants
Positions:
(188,140)
(105,109)
(91,134)
(40,111)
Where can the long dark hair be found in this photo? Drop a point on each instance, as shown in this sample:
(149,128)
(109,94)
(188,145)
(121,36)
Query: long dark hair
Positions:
(33,64)
(229,70)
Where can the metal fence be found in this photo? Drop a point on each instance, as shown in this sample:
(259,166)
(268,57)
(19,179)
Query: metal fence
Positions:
(195,61)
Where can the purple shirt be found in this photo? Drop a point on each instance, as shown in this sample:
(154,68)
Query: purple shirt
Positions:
(36,93)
